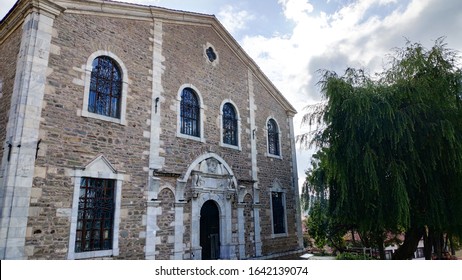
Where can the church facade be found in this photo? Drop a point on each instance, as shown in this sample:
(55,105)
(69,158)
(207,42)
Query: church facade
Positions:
(138,132)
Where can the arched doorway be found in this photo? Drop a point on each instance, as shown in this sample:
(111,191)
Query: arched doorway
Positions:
(210,231)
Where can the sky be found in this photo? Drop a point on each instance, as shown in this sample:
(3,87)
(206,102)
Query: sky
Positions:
(291,40)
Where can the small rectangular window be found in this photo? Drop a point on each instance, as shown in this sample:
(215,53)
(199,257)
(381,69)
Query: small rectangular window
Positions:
(95,218)
(278,212)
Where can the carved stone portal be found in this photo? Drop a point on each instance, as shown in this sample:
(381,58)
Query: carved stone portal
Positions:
(212,175)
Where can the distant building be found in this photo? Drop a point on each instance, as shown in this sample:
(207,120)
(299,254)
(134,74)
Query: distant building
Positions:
(137,132)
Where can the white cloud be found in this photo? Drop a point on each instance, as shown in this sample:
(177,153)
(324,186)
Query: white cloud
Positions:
(234,20)
(296,10)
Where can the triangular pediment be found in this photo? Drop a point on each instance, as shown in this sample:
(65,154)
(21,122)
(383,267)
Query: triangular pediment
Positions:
(101,164)
(276,185)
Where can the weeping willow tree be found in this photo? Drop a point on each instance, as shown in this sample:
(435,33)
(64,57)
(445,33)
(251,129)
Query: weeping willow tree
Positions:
(394,147)
(324,229)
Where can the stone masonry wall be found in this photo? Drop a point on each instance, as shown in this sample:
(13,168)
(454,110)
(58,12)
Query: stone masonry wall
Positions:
(185,63)
(270,168)
(166,221)
(70,141)
(249,226)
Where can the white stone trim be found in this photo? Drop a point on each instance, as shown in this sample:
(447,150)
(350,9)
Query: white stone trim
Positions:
(153,208)
(100,168)
(254,171)
(217,60)
(155,160)
(238,116)
(22,132)
(179,231)
(123,106)
(201,137)
(225,215)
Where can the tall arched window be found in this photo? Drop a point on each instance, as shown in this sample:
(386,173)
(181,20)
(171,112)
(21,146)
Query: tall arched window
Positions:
(190,113)
(273,138)
(230,128)
(105,87)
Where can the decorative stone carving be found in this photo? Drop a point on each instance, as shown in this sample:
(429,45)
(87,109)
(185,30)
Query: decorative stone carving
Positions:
(195,194)
(198,181)
(230,183)
(229,195)
(212,165)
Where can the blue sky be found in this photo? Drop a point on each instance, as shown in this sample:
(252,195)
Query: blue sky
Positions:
(291,39)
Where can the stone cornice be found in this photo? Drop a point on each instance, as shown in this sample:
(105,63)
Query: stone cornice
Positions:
(15,17)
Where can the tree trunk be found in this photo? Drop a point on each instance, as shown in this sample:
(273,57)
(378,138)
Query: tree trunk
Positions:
(446,243)
(438,245)
(428,245)
(453,250)
(381,248)
(411,241)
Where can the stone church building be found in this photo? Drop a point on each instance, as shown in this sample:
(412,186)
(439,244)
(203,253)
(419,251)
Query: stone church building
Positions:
(138,132)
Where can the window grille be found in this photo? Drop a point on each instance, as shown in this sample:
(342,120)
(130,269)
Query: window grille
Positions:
(95,218)
(230,129)
(190,113)
(273,138)
(105,87)
(278,212)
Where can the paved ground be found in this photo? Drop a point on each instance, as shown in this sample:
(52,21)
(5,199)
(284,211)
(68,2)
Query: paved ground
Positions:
(304,256)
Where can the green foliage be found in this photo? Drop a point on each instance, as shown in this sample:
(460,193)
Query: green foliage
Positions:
(315,187)
(324,229)
(393,145)
(317,224)
(352,256)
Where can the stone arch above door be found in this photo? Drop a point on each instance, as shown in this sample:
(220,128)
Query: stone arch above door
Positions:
(210,173)
(210,164)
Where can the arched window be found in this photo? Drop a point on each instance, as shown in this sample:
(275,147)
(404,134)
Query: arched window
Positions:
(190,113)
(230,129)
(105,87)
(273,138)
